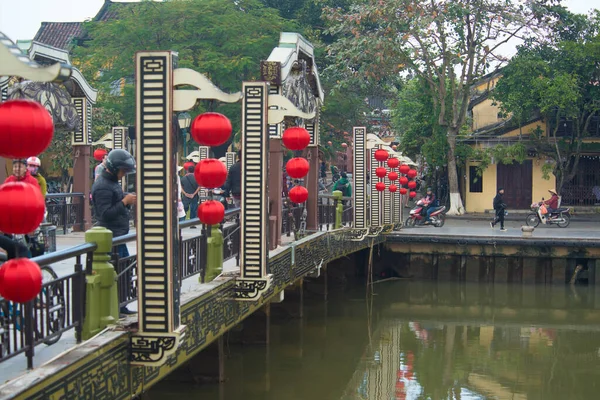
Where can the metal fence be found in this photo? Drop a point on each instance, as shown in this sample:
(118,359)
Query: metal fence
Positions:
(58,308)
(65,210)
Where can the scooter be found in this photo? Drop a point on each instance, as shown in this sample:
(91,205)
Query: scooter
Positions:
(437,217)
(560,217)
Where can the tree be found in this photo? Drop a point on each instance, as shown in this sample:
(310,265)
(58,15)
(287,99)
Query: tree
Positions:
(447,43)
(226,40)
(559,80)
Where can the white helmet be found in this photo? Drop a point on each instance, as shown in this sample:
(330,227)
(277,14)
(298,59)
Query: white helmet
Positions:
(34,161)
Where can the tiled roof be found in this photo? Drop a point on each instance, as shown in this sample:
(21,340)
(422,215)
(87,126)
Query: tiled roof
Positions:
(58,34)
(110,10)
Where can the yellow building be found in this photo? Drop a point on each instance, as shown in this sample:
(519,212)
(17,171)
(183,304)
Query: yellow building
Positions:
(523,183)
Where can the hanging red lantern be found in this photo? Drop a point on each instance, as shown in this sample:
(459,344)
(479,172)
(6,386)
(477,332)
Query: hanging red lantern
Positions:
(393,188)
(210,173)
(211,212)
(411,173)
(392,176)
(298,194)
(20,280)
(403,191)
(211,129)
(99,154)
(403,180)
(381,155)
(380,186)
(297,167)
(22,208)
(381,172)
(412,195)
(412,184)
(404,169)
(393,162)
(26,128)
(295,138)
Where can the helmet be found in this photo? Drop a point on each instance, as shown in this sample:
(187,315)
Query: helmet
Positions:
(19,160)
(429,189)
(34,161)
(119,159)
(99,154)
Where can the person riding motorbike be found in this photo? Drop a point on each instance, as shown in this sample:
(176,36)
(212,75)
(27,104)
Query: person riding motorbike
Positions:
(552,203)
(428,204)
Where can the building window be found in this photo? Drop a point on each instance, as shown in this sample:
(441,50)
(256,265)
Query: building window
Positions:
(475,181)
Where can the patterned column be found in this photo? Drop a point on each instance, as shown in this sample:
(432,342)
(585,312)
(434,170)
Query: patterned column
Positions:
(387,198)
(376,198)
(157,238)
(359,177)
(230,157)
(203,154)
(120,136)
(81,141)
(254,207)
(397,203)
(312,179)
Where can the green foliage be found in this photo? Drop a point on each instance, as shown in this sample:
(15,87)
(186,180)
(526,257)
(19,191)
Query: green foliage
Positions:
(223,39)
(104,120)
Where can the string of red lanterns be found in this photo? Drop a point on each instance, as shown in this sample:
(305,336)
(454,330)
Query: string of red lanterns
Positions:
(297,138)
(211,129)
(26,129)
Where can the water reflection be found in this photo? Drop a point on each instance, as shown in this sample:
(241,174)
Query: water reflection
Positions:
(421,340)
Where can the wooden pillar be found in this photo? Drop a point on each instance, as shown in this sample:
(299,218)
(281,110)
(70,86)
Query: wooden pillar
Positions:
(3,172)
(82,183)
(312,185)
(275,190)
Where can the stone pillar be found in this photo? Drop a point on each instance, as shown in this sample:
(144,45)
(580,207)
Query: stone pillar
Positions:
(275,190)
(3,172)
(312,185)
(82,183)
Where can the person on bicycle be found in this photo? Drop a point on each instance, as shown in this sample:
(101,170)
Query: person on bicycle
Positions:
(33,166)
(21,174)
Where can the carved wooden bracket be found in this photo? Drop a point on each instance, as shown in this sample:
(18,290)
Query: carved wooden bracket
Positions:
(285,109)
(185,99)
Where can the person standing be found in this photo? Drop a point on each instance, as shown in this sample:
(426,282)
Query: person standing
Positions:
(33,166)
(344,186)
(21,174)
(190,190)
(233,185)
(111,204)
(102,166)
(500,208)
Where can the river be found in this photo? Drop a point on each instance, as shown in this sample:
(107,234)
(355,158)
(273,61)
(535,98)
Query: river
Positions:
(421,340)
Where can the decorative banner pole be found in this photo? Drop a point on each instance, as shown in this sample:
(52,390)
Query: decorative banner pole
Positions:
(378,155)
(359,185)
(387,197)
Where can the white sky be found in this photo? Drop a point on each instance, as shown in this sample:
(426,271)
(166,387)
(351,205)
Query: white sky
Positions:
(20,19)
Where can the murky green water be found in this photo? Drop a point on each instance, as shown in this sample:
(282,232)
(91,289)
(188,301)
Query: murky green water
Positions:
(419,340)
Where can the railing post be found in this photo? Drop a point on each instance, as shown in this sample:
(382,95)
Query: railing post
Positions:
(214,253)
(339,208)
(28,326)
(102,301)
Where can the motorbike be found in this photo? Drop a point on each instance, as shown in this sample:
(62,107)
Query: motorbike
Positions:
(560,217)
(437,217)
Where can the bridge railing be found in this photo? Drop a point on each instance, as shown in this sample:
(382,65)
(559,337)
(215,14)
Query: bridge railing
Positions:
(58,308)
(66,210)
(326,211)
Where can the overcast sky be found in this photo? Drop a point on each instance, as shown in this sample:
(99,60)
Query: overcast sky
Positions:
(20,19)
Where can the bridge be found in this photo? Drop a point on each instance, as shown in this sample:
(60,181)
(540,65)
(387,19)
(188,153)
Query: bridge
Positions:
(191,286)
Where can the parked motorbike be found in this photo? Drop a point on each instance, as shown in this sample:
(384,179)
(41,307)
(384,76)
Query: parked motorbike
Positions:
(560,217)
(437,217)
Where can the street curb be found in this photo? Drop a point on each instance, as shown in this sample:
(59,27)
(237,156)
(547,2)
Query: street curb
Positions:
(519,216)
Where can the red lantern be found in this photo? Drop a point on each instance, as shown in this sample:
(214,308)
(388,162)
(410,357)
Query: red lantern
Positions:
(26,128)
(403,191)
(297,167)
(393,176)
(211,212)
(380,186)
(404,169)
(393,188)
(210,173)
(381,172)
(298,194)
(412,195)
(295,138)
(412,184)
(411,173)
(99,154)
(330,143)
(22,208)
(344,145)
(381,155)
(403,180)
(393,162)
(20,280)
(211,129)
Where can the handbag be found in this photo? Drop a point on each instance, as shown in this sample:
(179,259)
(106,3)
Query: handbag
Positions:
(543,209)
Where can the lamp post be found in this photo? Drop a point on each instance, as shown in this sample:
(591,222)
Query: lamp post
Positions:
(184,120)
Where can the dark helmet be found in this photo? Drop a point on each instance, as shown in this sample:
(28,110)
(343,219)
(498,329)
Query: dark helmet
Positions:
(120,159)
